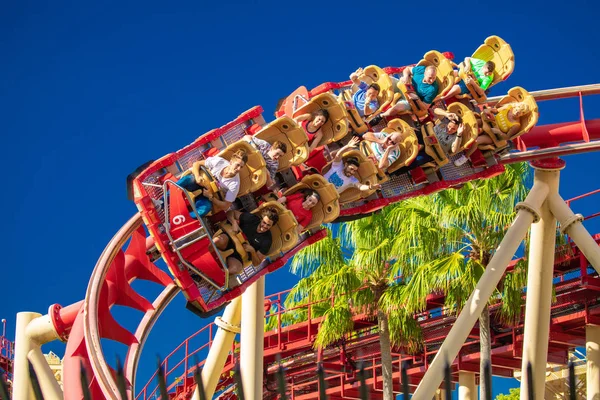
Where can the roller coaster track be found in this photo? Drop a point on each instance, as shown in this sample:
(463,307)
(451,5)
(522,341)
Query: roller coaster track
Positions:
(124,260)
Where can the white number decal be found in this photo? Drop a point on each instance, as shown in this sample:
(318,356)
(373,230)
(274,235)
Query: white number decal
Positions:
(178,219)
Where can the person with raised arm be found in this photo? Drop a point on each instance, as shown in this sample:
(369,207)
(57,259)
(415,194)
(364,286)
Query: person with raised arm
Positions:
(343,171)
(365,98)
(384,147)
(312,124)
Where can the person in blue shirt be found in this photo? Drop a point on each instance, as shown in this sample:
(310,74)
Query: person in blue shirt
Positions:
(365,99)
(426,89)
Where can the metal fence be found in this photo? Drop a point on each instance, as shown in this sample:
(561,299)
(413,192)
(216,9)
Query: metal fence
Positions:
(281,383)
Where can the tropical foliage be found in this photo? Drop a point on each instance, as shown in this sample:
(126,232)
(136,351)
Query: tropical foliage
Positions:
(386,265)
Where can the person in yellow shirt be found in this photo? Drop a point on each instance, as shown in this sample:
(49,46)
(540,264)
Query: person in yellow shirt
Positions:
(505,121)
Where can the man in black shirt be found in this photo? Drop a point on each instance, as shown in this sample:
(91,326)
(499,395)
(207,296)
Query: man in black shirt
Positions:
(256,229)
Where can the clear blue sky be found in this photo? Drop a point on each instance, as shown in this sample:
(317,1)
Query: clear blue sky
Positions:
(91,90)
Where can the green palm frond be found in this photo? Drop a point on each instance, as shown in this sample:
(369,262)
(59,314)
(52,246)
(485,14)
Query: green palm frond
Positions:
(326,252)
(404,330)
(337,322)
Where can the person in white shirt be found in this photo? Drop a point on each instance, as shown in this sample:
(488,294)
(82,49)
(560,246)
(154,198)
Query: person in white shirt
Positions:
(226,174)
(342,172)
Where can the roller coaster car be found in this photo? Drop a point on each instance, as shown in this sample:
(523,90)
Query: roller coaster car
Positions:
(254,174)
(286,130)
(444,78)
(184,240)
(497,50)
(283,234)
(515,95)
(327,208)
(367,174)
(336,126)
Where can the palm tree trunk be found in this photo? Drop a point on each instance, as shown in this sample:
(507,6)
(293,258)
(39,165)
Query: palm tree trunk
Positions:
(485,349)
(386,356)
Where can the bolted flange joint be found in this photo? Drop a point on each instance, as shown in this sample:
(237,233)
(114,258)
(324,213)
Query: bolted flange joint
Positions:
(564,226)
(226,326)
(524,206)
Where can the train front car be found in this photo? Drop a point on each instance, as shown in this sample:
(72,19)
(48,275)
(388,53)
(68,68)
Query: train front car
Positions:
(183,234)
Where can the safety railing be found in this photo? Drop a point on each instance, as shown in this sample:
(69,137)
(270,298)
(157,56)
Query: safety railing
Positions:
(361,374)
(7,348)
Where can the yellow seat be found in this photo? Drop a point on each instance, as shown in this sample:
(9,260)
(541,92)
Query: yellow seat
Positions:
(287,131)
(408,144)
(471,129)
(515,95)
(366,174)
(327,208)
(494,49)
(444,71)
(283,233)
(433,147)
(254,175)
(354,119)
(207,182)
(336,126)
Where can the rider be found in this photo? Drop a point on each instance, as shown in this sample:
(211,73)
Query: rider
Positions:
(384,147)
(271,153)
(226,173)
(365,98)
(301,204)
(256,228)
(342,172)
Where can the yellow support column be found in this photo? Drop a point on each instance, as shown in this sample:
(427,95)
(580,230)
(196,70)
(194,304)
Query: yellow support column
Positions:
(467,389)
(48,383)
(571,224)
(23,344)
(539,286)
(229,326)
(592,348)
(252,340)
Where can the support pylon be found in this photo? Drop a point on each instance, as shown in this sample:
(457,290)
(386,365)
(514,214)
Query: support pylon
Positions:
(48,384)
(527,213)
(467,389)
(539,285)
(571,224)
(221,345)
(252,340)
(592,348)
(23,344)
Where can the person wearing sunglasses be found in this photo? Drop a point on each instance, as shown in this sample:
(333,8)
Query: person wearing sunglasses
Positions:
(384,147)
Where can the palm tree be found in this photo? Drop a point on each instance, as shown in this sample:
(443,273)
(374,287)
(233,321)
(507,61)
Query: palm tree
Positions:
(361,281)
(454,234)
